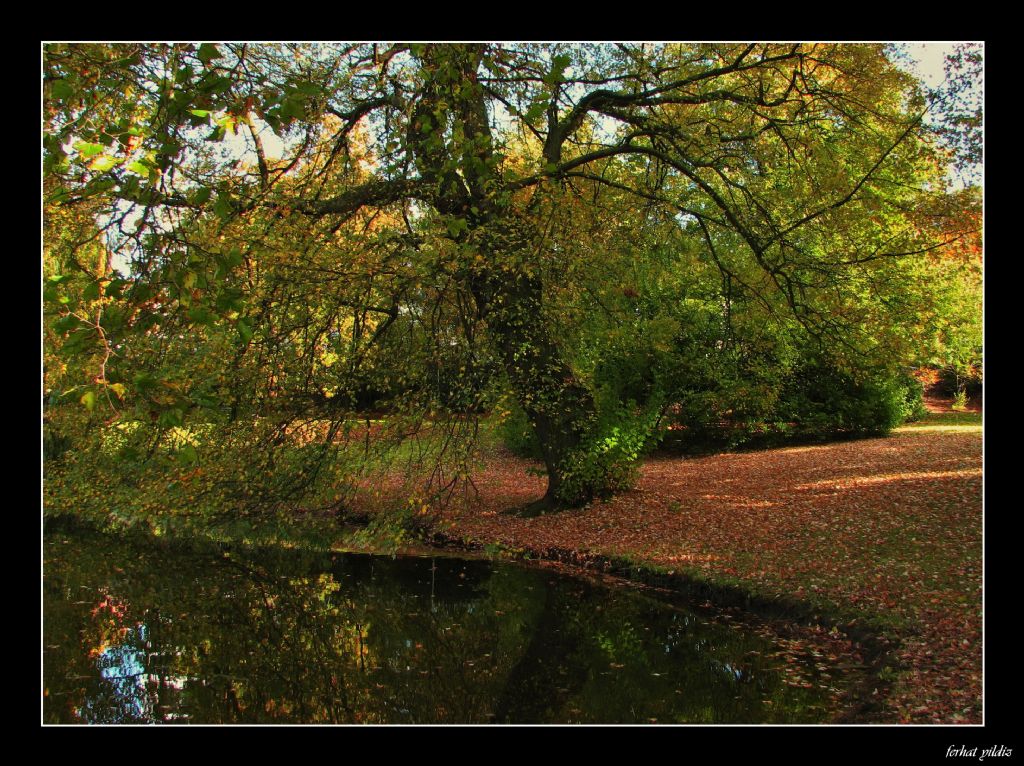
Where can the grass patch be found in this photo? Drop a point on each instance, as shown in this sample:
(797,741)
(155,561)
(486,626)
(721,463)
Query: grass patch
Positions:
(942,421)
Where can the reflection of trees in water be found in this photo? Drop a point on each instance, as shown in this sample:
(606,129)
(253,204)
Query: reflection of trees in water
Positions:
(295,637)
(449,661)
(633,660)
(290,638)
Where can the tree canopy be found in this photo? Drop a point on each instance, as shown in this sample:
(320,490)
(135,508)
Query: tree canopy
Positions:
(274,242)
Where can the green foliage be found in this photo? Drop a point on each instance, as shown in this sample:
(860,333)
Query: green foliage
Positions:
(246,242)
(607,460)
(517,434)
(387,531)
(55,444)
(913,400)
(960,401)
(820,400)
(812,399)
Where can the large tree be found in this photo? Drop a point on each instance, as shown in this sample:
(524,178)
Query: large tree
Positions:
(466,183)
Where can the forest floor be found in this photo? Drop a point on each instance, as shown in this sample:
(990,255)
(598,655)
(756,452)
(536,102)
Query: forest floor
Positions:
(885,530)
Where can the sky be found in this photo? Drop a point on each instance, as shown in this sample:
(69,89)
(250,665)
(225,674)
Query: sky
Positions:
(929,58)
(928,66)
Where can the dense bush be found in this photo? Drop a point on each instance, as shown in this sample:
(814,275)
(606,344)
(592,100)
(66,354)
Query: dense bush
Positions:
(820,400)
(703,391)
(914,399)
(698,394)
(814,401)
(609,456)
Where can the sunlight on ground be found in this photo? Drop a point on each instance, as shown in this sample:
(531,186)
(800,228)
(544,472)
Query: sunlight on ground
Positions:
(888,477)
(745,500)
(940,427)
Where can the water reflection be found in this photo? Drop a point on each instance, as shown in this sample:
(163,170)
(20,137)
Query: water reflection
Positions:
(143,633)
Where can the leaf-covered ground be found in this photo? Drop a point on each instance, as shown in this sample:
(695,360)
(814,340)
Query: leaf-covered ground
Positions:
(889,529)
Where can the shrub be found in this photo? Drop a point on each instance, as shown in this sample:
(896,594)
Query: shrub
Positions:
(914,401)
(824,401)
(813,400)
(609,456)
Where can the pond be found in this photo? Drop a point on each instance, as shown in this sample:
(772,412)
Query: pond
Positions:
(150,632)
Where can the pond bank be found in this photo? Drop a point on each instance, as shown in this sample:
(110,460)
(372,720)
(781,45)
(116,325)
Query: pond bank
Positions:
(878,536)
(853,645)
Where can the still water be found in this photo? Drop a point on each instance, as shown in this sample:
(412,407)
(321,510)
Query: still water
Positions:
(147,632)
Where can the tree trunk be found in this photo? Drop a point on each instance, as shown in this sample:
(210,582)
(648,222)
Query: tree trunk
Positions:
(506,286)
(510,300)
